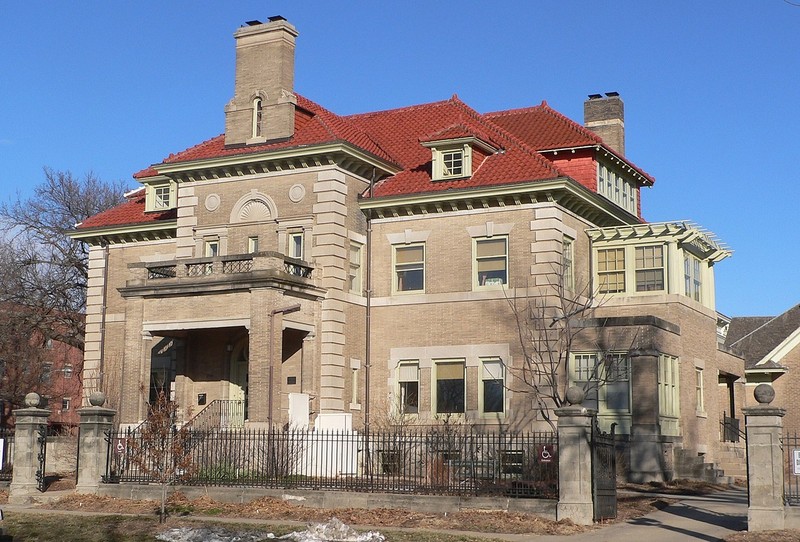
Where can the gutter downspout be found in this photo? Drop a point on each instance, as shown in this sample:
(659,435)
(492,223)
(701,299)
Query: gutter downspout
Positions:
(368,315)
(103,308)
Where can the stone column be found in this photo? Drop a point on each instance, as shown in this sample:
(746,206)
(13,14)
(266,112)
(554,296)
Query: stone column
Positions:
(764,426)
(575,460)
(647,456)
(26,448)
(93,448)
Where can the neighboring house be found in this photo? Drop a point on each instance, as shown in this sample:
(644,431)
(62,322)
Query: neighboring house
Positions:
(770,346)
(361,267)
(31,362)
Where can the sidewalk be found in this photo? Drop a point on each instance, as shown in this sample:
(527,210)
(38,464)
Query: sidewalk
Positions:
(706,517)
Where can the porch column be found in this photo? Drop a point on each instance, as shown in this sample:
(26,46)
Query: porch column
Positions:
(646,451)
(26,448)
(575,460)
(93,448)
(764,426)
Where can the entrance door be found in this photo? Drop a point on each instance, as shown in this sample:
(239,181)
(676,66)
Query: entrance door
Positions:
(237,408)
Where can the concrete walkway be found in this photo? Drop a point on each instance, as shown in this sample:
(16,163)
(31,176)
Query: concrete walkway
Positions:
(706,517)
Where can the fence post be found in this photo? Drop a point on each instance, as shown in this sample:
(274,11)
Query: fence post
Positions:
(93,448)
(26,449)
(764,426)
(575,460)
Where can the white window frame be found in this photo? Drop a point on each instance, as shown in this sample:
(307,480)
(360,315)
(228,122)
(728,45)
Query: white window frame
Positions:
(154,196)
(692,276)
(296,245)
(404,375)
(568,263)
(355,267)
(440,171)
(617,188)
(492,369)
(67,371)
(669,398)
(416,265)
(258,117)
(252,244)
(606,271)
(66,403)
(587,372)
(438,365)
(699,391)
(489,282)
(649,264)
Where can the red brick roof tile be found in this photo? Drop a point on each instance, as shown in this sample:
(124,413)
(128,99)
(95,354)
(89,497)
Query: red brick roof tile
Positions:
(396,136)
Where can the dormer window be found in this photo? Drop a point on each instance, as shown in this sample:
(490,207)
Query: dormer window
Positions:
(160,197)
(451,161)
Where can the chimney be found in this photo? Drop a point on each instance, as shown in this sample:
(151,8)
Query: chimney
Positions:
(262,108)
(605,116)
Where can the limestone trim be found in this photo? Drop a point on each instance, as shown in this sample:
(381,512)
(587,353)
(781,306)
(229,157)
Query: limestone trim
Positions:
(155,326)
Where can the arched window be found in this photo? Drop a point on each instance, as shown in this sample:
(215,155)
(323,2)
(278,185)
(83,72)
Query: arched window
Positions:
(258,112)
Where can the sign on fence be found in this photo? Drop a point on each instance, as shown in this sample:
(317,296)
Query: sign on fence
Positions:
(796,457)
(546,453)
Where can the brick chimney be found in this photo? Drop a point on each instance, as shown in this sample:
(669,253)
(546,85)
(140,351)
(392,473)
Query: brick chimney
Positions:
(605,116)
(262,108)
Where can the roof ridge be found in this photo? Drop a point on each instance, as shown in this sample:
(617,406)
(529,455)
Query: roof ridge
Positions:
(526,109)
(400,109)
(506,134)
(762,326)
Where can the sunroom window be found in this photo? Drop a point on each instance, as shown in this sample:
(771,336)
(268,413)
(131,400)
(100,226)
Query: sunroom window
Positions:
(649,268)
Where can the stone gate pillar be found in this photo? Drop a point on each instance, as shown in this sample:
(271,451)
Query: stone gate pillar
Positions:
(27,423)
(575,460)
(93,448)
(764,426)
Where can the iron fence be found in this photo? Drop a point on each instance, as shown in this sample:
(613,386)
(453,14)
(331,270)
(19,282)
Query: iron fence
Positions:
(791,472)
(6,453)
(431,461)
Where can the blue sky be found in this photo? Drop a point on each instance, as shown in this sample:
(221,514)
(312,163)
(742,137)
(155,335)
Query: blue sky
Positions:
(711,91)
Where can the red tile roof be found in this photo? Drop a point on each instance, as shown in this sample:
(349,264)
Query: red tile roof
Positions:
(396,136)
(127,213)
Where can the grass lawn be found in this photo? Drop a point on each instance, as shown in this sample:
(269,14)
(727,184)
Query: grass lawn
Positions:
(20,526)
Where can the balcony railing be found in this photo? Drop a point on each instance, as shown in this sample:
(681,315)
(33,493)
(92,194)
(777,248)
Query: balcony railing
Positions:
(229,265)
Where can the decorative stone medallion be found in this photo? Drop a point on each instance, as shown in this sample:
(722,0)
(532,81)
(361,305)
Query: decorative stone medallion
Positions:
(297,192)
(212,202)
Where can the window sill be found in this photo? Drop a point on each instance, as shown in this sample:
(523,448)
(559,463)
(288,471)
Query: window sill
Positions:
(701,414)
(355,406)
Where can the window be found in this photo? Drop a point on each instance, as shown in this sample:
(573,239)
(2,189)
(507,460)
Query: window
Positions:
(354,276)
(450,387)
(493,384)
(408,378)
(258,115)
(491,261)
(568,263)
(698,389)
(649,268)
(605,379)
(453,163)
(67,370)
(162,197)
(668,398)
(252,245)
(692,277)
(409,268)
(354,386)
(47,370)
(615,187)
(211,250)
(611,270)
(65,403)
(296,245)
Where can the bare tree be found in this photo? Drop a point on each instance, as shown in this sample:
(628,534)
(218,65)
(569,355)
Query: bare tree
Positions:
(41,267)
(160,450)
(552,327)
